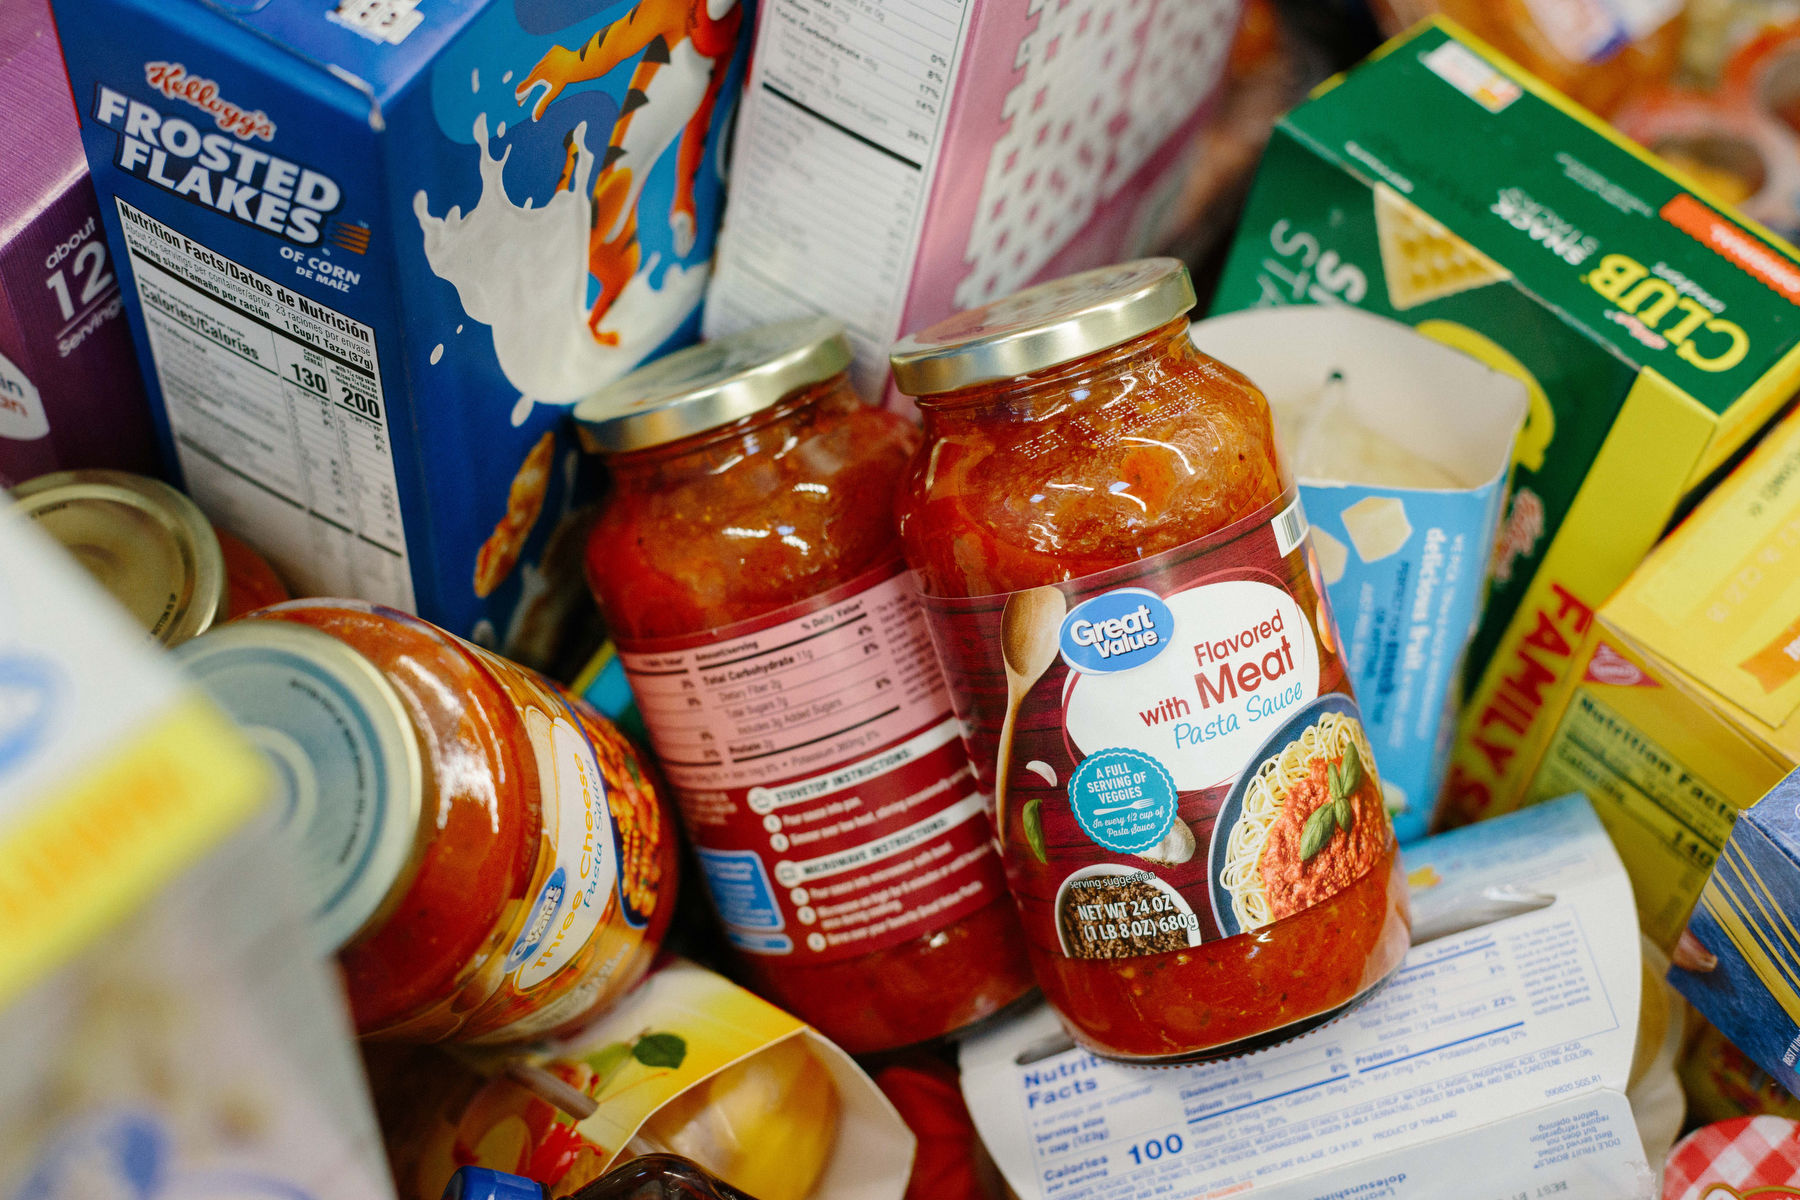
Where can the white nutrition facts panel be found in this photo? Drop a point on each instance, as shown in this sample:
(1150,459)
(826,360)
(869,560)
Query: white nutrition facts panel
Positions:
(842,119)
(275,402)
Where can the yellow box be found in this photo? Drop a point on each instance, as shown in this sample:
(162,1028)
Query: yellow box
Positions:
(1685,709)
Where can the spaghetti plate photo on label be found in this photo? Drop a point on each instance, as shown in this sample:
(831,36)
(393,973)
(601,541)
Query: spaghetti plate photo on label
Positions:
(1262,870)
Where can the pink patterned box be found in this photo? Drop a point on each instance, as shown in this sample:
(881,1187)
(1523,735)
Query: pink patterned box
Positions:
(69,390)
(898,160)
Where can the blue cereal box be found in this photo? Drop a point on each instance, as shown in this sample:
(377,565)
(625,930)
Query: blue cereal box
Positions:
(372,251)
(1402,447)
(1739,961)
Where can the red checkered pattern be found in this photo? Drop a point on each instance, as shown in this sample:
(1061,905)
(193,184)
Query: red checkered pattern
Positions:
(1724,1161)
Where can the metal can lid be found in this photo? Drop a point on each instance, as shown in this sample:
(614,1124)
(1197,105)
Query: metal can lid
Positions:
(350,789)
(1043,326)
(142,540)
(711,384)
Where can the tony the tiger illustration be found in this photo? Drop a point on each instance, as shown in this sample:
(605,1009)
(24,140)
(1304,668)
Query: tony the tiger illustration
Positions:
(685,47)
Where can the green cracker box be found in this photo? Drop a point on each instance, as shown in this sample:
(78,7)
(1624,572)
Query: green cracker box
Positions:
(1439,184)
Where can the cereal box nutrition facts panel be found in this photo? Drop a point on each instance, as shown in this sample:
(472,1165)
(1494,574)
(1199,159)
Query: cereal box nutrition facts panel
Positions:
(276,407)
(862,90)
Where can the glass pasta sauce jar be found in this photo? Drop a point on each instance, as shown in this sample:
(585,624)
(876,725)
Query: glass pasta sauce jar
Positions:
(485,850)
(1119,581)
(152,549)
(749,569)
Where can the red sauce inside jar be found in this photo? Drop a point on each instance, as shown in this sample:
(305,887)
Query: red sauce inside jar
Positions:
(1088,465)
(250,582)
(481,843)
(790,509)
(487,849)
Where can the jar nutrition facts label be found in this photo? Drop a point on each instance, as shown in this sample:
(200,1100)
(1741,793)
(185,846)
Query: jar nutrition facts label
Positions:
(740,709)
(279,421)
(820,772)
(848,98)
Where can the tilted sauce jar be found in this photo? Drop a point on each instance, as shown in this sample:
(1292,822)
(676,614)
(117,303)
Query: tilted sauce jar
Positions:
(485,849)
(151,548)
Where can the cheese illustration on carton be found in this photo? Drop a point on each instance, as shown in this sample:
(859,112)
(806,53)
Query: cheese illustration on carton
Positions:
(1686,706)
(1377,526)
(1655,332)
(1331,554)
(371,254)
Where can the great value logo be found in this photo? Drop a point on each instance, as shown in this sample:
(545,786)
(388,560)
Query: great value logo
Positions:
(1116,631)
(1245,659)
(550,902)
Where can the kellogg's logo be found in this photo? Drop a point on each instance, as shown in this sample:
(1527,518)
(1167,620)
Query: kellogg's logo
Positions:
(173,81)
(1116,631)
(1610,667)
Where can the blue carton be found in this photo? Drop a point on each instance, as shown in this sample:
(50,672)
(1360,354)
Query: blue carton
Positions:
(1403,449)
(372,250)
(1749,919)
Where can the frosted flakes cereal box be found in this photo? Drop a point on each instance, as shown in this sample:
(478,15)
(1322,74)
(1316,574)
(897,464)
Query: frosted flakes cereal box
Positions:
(1655,332)
(373,250)
(899,160)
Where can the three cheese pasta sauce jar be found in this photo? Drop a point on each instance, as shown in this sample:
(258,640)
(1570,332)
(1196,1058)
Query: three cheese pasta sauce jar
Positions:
(1121,587)
(749,570)
(485,852)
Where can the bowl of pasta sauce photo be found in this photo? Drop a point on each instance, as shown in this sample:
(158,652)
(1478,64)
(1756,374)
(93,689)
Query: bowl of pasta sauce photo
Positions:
(1302,825)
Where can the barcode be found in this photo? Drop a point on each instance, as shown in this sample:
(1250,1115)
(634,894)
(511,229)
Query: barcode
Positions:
(1290,528)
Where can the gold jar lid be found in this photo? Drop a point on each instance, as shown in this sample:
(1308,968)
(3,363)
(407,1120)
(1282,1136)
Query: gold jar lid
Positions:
(712,384)
(142,540)
(350,779)
(1043,326)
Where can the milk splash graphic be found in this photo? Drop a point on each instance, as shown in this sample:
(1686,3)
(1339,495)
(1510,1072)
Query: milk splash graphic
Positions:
(523,272)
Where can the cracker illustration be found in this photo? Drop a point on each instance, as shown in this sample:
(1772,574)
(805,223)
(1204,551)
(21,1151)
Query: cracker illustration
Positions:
(1421,259)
